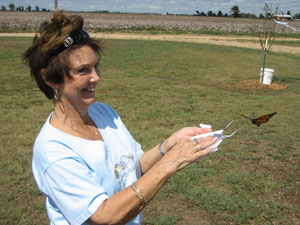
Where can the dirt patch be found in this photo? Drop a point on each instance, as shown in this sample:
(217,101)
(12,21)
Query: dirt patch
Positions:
(255,85)
(203,39)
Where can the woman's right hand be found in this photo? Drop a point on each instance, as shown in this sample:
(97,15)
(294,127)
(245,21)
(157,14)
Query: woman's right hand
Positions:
(187,151)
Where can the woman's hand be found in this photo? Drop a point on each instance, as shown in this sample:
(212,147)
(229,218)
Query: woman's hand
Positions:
(187,151)
(187,132)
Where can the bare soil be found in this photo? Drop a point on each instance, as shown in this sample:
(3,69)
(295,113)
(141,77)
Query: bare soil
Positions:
(236,41)
(255,85)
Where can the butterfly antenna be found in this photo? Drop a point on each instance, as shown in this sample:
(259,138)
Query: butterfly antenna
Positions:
(244,116)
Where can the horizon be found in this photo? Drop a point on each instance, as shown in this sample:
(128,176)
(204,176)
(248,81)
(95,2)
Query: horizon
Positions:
(179,7)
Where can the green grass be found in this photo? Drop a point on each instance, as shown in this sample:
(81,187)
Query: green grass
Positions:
(157,88)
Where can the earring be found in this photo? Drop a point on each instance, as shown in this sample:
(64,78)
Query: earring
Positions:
(55,94)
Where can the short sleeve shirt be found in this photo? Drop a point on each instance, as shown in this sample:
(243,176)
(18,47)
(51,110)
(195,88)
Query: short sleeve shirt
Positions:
(76,175)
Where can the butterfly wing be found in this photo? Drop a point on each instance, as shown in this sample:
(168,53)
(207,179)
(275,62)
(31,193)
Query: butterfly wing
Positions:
(262,119)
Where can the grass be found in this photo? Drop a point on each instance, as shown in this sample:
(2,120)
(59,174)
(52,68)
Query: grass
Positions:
(157,88)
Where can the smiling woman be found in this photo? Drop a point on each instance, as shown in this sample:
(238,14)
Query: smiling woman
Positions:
(85,161)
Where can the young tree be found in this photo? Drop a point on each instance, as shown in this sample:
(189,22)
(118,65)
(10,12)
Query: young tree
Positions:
(235,11)
(209,13)
(266,36)
(37,9)
(3,8)
(198,13)
(220,14)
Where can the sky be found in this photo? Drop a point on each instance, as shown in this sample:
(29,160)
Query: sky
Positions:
(160,6)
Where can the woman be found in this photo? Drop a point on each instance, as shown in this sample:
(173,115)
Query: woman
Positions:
(85,161)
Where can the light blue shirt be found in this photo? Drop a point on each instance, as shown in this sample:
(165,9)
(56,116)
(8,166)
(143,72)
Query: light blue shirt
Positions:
(76,175)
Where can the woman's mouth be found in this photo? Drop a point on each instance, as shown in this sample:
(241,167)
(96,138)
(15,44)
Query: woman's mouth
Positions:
(89,89)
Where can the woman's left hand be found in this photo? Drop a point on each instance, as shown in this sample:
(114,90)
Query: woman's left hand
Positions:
(188,132)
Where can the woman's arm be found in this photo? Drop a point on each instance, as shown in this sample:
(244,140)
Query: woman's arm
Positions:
(123,206)
(152,156)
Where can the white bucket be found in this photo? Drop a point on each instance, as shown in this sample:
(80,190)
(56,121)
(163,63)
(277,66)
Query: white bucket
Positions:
(268,75)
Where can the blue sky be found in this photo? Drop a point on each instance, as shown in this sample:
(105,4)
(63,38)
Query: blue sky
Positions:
(160,6)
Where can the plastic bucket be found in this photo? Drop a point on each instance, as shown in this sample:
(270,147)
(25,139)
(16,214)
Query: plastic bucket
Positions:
(268,76)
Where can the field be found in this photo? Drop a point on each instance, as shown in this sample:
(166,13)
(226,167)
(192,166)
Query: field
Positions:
(29,21)
(158,87)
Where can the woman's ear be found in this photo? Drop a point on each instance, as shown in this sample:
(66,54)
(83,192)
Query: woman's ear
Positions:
(50,84)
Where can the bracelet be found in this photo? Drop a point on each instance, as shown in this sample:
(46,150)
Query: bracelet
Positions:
(139,194)
(159,148)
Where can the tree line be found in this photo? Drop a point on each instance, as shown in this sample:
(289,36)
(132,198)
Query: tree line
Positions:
(235,12)
(21,8)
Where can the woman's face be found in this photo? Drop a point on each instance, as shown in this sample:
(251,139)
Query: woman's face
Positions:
(80,90)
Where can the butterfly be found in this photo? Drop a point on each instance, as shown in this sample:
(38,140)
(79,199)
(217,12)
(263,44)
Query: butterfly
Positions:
(259,120)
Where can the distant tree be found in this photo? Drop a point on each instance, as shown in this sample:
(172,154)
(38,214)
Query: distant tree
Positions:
(37,9)
(220,14)
(247,15)
(11,6)
(209,13)
(235,11)
(20,8)
(288,12)
(297,16)
(202,14)
(44,10)
(261,16)
(225,15)
(29,8)
(198,13)
(3,8)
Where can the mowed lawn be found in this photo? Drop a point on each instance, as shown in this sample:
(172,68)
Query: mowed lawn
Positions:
(157,88)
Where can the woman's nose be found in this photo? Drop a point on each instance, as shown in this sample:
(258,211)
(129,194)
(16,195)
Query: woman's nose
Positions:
(95,75)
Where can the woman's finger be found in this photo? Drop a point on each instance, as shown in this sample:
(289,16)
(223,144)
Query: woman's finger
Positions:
(202,143)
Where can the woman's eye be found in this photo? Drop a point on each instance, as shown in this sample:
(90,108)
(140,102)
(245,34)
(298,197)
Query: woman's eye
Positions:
(83,70)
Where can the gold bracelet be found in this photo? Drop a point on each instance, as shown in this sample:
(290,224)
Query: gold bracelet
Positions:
(139,194)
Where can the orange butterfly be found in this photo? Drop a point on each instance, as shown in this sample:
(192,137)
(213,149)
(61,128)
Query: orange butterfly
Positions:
(259,120)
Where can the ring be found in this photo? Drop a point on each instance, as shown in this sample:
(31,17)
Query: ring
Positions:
(197,142)
(198,147)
